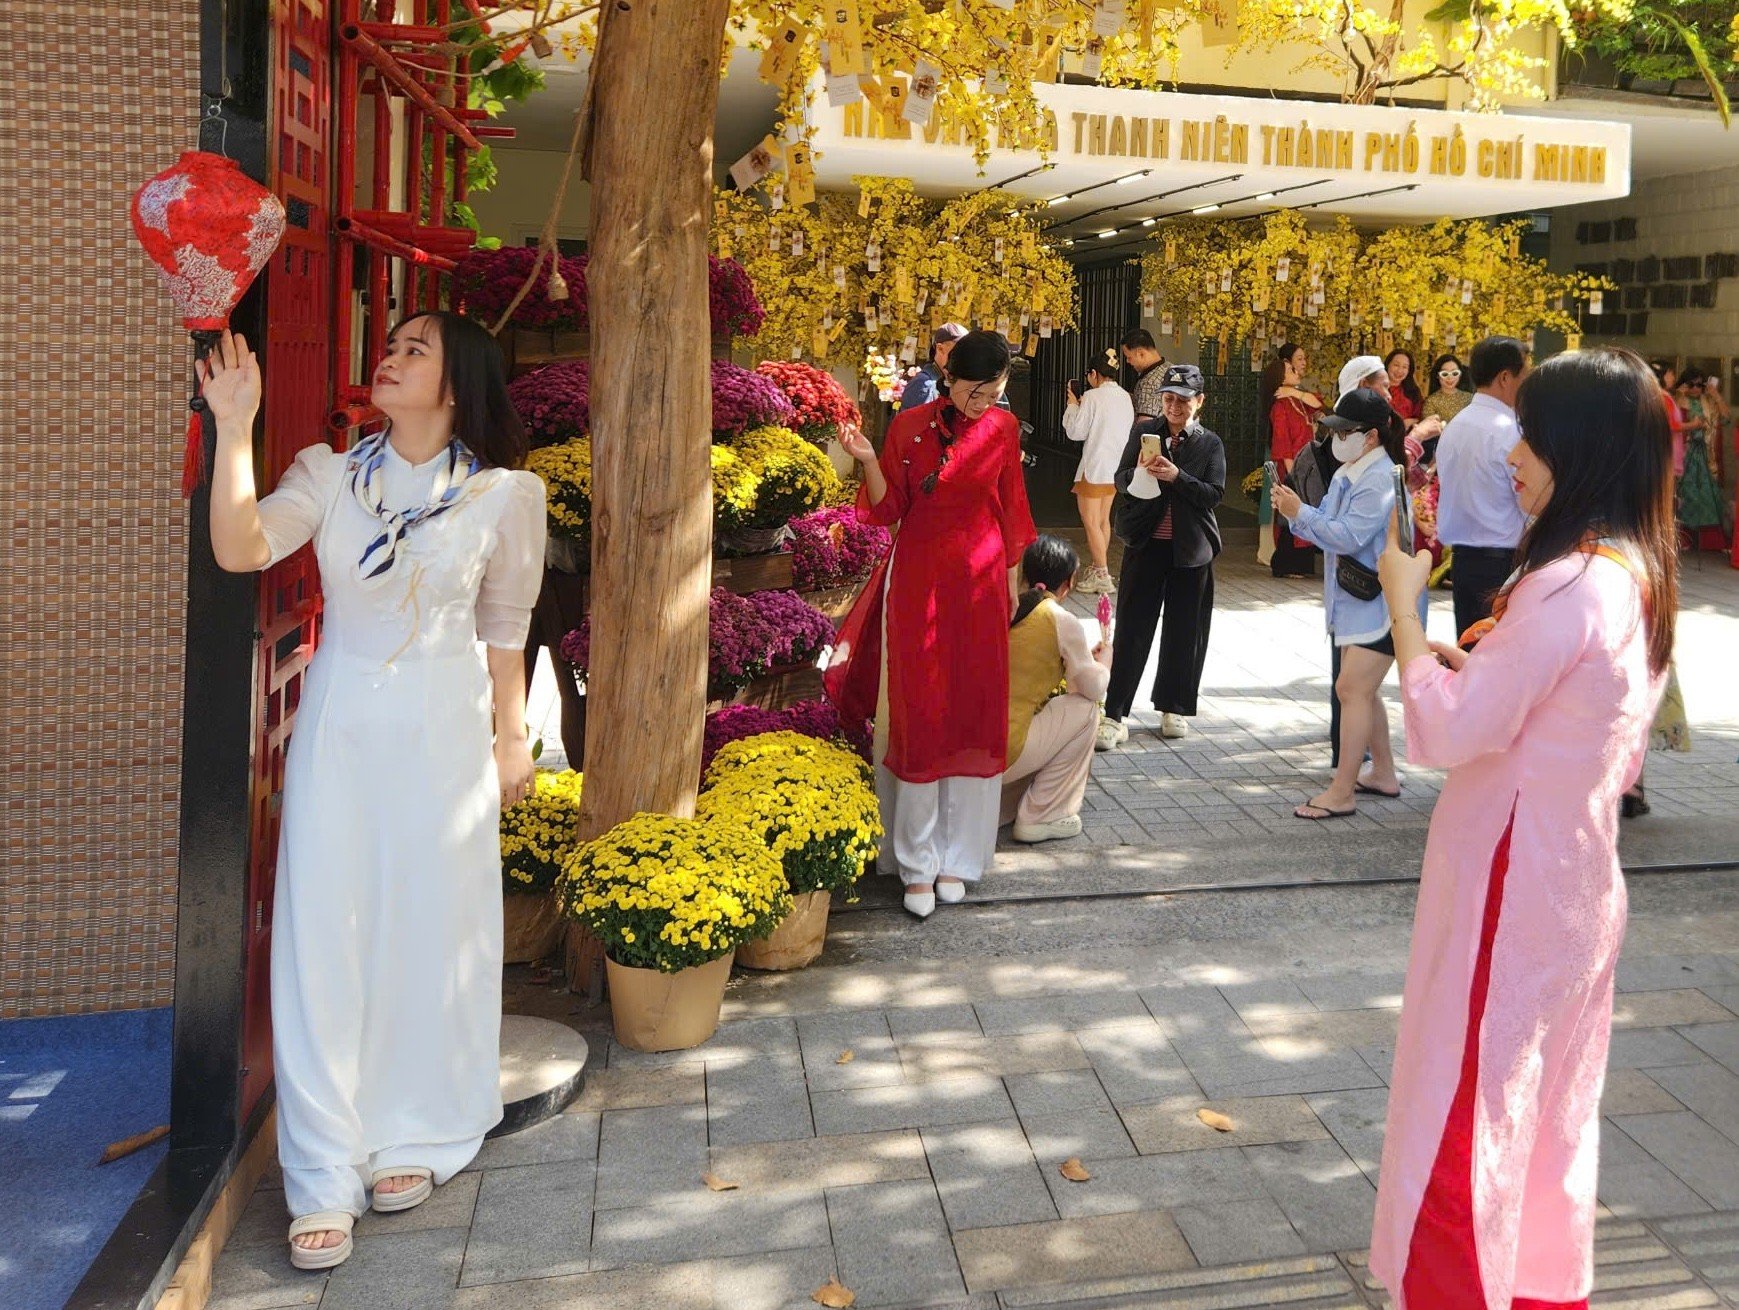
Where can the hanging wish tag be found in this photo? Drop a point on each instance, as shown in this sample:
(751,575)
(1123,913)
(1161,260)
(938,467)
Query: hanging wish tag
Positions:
(1148,304)
(799,175)
(779,61)
(909,351)
(755,165)
(1283,268)
(1596,302)
(1165,324)
(921,98)
(842,87)
(1108,18)
(1047,325)
(1093,58)
(843,32)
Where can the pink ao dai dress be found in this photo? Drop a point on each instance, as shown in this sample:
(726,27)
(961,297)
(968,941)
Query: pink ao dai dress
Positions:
(1487,1192)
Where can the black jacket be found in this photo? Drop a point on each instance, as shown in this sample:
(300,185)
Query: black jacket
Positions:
(1200,485)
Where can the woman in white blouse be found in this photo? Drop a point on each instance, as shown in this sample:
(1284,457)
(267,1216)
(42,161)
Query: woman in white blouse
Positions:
(1101,419)
(1050,736)
(386,930)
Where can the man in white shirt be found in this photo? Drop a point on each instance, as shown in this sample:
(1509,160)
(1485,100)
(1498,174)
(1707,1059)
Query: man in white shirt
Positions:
(1478,515)
(1100,419)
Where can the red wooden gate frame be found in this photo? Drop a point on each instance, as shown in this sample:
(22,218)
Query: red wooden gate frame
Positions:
(387,60)
(323,63)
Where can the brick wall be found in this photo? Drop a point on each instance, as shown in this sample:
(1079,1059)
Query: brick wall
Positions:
(1696,214)
(95,377)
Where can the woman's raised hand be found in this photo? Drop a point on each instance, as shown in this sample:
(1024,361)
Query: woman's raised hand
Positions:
(1286,501)
(857,445)
(230,381)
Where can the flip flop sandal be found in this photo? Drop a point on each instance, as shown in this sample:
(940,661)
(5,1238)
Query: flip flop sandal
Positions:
(1324,815)
(321,1221)
(410,1198)
(1363,790)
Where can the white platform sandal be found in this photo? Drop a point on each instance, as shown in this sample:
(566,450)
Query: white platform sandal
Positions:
(410,1198)
(321,1221)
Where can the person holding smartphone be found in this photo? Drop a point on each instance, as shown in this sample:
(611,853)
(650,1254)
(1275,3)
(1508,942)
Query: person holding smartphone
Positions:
(1350,525)
(1172,474)
(1100,419)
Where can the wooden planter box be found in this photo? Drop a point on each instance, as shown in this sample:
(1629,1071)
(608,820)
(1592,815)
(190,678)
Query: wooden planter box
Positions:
(836,602)
(748,573)
(783,688)
(526,349)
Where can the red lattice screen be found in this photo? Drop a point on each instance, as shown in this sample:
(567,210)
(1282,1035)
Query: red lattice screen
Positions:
(362,248)
(298,379)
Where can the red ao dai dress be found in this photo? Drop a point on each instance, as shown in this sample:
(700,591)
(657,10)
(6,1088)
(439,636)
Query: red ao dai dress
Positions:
(925,650)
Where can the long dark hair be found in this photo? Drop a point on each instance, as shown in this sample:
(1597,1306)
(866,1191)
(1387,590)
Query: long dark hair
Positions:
(1595,419)
(1409,384)
(1464,383)
(1048,565)
(472,373)
(1274,375)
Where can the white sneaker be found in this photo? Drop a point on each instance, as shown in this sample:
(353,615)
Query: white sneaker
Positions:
(1112,734)
(1037,832)
(1087,583)
(951,891)
(1107,584)
(920,905)
(1173,726)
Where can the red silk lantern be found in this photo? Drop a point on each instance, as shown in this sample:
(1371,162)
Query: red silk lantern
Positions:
(209,228)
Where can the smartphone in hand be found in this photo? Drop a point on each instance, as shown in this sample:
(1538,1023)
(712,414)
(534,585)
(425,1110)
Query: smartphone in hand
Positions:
(1273,471)
(1404,509)
(1151,444)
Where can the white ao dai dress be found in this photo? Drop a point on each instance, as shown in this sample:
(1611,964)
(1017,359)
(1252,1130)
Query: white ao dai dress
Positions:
(386,933)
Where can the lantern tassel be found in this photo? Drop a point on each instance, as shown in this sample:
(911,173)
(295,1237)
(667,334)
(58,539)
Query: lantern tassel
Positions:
(193,453)
(193,459)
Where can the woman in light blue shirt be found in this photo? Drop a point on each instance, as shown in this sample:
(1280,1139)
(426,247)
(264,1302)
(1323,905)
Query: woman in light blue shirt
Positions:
(1351,525)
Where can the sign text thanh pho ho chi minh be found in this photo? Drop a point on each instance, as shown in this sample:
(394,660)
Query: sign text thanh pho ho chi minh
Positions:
(1460,165)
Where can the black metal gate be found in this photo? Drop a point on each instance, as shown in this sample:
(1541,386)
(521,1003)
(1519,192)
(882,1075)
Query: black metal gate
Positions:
(1110,300)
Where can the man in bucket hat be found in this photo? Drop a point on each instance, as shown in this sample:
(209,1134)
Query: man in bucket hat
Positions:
(1172,475)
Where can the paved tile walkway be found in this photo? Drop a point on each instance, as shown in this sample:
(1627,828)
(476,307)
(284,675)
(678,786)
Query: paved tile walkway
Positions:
(896,1115)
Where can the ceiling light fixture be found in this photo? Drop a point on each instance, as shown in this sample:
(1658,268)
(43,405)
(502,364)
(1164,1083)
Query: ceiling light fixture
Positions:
(1108,232)
(1144,200)
(1204,209)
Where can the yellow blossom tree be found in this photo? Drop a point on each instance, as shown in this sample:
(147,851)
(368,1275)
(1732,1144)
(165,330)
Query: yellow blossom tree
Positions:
(1377,54)
(877,270)
(1340,292)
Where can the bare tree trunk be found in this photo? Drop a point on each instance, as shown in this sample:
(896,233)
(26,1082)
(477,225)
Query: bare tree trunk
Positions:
(653,99)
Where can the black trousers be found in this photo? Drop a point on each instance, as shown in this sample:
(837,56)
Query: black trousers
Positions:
(1154,593)
(1291,559)
(1477,572)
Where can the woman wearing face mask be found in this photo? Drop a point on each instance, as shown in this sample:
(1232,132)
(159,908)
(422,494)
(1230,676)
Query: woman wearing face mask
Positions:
(1490,1157)
(1349,524)
(386,930)
(925,650)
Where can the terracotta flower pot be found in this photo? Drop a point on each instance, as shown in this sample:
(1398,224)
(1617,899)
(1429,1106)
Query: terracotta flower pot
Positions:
(655,1011)
(531,926)
(797,940)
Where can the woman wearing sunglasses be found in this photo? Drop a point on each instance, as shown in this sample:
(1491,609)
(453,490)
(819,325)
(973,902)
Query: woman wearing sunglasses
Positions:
(925,650)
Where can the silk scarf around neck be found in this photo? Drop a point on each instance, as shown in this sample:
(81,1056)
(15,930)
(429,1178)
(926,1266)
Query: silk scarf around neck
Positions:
(366,466)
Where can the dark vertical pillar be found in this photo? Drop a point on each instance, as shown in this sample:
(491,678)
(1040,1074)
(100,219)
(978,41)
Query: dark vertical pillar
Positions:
(219,683)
